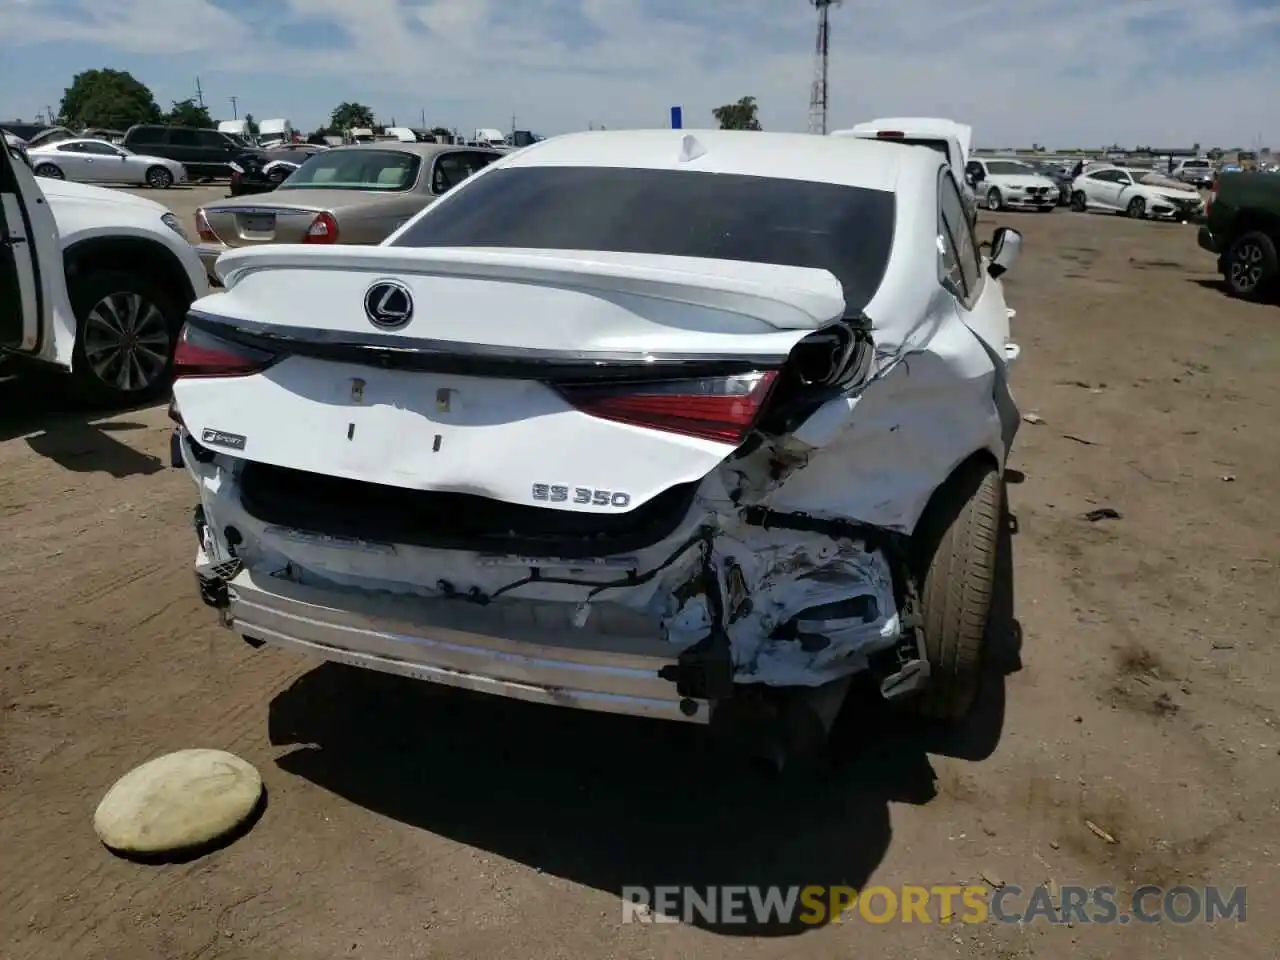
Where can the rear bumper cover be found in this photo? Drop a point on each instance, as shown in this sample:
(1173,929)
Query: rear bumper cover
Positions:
(495,654)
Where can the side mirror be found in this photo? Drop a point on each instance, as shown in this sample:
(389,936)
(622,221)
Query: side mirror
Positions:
(1006,247)
(976,176)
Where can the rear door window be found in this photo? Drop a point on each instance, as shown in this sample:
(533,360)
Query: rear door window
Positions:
(147,135)
(180,137)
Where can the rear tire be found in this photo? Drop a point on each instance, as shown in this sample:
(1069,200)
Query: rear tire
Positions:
(1251,266)
(955,553)
(122,320)
(50,172)
(1079,202)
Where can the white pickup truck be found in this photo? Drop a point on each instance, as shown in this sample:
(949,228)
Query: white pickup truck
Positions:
(94,282)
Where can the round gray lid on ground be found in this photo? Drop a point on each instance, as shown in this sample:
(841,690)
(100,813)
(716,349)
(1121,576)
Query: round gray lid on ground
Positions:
(181,800)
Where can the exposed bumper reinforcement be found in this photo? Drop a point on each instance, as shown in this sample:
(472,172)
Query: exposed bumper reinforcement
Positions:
(462,645)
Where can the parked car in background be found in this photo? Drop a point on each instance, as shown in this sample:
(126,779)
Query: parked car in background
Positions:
(1243,228)
(611,430)
(1141,194)
(204,153)
(97,161)
(22,130)
(1198,172)
(95,282)
(1060,174)
(1000,183)
(262,173)
(354,194)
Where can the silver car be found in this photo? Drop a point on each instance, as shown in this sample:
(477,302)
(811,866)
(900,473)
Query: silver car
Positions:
(97,161)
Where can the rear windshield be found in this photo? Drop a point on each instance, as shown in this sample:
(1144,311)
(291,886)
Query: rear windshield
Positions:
(356,170)
(847,230)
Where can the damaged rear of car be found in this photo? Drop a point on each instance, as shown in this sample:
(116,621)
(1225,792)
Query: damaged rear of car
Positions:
(644,422)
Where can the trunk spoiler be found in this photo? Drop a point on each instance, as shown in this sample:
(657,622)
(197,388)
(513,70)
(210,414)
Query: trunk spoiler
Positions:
(782,297)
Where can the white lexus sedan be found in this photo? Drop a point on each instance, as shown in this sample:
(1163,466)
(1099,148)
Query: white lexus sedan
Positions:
(97,161)
(1141,194)
(652,422)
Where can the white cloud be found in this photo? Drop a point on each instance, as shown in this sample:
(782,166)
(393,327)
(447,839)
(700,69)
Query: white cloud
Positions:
(1036,70)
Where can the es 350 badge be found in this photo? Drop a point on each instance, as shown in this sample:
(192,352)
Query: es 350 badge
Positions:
(583,496)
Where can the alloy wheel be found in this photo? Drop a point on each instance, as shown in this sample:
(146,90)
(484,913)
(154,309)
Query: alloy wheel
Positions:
(159,178)
(126,342)
(50,172)
(1247,267)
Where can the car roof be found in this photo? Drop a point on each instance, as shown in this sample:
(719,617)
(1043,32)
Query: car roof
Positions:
(424,150)
(73,139)
(875,165)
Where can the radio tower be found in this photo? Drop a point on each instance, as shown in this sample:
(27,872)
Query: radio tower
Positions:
(821,54)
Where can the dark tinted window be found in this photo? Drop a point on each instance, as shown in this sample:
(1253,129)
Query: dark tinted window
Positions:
(147,135)
(212,138)
(847,230)
(937,146)
(182,137)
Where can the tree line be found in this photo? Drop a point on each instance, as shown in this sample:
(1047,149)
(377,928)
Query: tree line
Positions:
(115,100)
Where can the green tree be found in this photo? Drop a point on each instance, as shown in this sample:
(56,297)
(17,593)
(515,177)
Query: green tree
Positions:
(347,115)
(187,113)
(114,99)
(743,115)
(251,125)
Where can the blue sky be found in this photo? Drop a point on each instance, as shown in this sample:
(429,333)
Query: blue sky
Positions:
(1021,71)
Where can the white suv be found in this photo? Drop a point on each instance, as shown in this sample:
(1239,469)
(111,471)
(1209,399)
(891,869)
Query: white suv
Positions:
(96,282)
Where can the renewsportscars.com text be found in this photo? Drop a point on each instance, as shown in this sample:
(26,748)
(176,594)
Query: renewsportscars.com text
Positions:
(815,904)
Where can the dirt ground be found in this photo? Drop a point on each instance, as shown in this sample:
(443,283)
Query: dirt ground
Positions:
(409,823)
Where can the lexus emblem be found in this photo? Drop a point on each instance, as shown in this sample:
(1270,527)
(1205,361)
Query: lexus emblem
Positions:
(388,304)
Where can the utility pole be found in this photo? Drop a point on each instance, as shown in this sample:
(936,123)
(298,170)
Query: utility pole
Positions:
(199,93)
(235,115)
(424,118)
(513,124)
(52,117)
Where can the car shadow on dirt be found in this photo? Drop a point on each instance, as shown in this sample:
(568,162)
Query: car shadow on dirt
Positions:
(57,425)
(614,802)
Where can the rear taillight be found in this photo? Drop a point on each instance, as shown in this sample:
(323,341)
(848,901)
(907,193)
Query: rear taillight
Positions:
(200,354)
(203,230)
(722,409)
(323,229)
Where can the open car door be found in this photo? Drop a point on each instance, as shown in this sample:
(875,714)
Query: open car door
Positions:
(35,313)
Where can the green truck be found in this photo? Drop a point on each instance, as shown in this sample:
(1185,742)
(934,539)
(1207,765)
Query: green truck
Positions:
(1243,228)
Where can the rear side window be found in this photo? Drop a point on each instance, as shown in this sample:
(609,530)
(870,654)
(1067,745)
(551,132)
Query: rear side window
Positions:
(847,230)
(180,137)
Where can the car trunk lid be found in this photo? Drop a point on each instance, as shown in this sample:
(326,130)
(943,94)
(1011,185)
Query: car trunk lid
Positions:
(574,381)
(284,217)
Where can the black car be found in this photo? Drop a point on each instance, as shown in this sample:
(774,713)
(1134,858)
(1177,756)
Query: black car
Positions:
(263,171)
(205,153)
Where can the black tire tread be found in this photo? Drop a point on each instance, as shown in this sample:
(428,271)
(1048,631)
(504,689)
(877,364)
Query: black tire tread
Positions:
(957,585)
